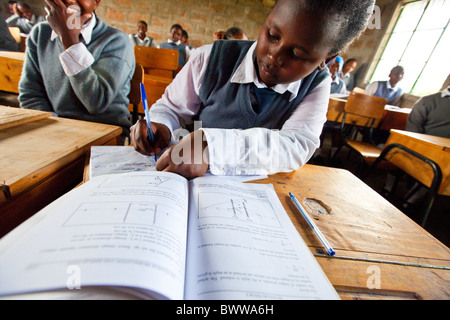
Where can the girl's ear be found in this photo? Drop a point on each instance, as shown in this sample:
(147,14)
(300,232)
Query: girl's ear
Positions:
(325,62)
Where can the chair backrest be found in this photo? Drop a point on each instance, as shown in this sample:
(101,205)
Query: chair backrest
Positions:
(157,62)
(363,110)
(358,90)
(15,32)
(135,91)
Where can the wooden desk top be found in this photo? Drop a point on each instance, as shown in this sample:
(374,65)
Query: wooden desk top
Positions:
(368,233)
(13,55)
(10,117)
(11,64)
(432,141)
(34,150)
(432,147)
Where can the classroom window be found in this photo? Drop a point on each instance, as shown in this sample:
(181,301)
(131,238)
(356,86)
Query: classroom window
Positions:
(419,42)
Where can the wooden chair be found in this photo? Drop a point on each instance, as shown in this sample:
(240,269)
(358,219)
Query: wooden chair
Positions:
(362,112)
(15,32)
(157,62)
(160,67)
(135,92)
(358,90)
(409,162)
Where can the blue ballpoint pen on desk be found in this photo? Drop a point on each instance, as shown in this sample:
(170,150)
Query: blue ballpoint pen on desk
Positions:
(151,138)
(313,226)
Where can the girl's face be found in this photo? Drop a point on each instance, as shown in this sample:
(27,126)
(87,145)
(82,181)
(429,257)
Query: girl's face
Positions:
(175,34)
(291,44)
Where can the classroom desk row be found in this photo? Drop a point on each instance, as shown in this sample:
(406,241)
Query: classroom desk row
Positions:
(380,252)
(393,117)
(42,157)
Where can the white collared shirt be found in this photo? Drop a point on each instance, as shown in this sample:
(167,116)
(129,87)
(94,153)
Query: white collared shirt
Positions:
(77,57)
(252,151)
(446,92)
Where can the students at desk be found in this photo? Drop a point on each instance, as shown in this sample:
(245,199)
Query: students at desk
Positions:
(23,18)
(240,90)
(81,72)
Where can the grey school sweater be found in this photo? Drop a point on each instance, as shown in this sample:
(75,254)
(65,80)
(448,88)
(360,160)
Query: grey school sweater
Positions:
(98,93)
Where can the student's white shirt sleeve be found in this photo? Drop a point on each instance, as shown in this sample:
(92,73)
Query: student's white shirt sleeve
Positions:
(75,59)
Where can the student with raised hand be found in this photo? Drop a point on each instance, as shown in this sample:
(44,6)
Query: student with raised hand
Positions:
(262,104)
(78,67)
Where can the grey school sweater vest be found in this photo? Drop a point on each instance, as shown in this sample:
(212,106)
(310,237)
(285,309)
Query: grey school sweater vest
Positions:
(181,48)
(227,105)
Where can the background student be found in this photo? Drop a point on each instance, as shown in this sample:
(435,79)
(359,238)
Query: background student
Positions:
(82,72)
(235,33)
(388,89)
(141,38)
(175,43)
(347,73)
(240,90)
(23,18)
(185,39)
(337,84)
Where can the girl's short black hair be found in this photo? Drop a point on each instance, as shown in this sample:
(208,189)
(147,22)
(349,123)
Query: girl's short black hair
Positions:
(350,17)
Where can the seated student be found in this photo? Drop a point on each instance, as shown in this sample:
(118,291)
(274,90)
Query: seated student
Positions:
(7,41)
(346,74)
(82,72)
(388,89)
(185,40)
(23,18)
(337,85)
(175,43)
(431,115)
(235,33)
(241,90)
(141,38)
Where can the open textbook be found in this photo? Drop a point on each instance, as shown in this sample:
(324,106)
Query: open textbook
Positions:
(156,235)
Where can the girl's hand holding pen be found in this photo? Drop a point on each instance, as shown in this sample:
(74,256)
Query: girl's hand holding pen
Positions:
(139,137)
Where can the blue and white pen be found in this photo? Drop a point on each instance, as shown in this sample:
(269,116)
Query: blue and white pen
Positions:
(151,138)
(316,230)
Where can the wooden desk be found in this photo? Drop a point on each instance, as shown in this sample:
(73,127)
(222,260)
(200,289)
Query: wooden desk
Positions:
(11,64)
(432,147)
(41,160)
(369,235)
(393,118)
